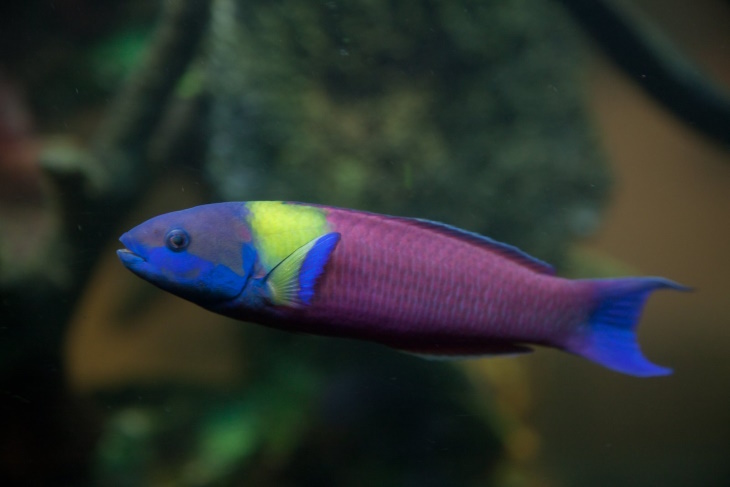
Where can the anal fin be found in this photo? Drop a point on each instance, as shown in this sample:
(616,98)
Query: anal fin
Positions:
(456,353)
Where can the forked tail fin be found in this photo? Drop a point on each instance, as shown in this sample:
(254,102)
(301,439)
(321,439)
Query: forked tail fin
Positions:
(609,335)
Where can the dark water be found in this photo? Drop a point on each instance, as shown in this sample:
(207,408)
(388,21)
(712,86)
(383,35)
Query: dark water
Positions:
(499,117)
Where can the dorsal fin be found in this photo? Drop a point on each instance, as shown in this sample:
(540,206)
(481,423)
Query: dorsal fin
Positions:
(505,250)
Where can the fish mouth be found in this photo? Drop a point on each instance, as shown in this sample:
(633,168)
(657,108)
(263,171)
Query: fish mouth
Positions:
(128,257)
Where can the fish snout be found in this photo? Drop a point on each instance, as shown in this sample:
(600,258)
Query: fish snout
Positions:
(128,256)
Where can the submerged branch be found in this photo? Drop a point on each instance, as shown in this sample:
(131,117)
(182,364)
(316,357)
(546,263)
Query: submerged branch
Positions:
(116,167)
(121,143)
(92,188)
(659,69)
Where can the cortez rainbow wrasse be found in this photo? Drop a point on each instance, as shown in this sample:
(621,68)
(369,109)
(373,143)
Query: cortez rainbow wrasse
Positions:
(415,285)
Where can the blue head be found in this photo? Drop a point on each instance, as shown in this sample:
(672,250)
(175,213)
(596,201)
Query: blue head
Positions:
(204,254)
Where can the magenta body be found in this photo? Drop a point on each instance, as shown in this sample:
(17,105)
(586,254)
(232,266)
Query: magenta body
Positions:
(420,287)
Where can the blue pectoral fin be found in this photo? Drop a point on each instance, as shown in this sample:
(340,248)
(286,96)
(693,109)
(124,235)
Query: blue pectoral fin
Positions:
(292,281)
(609,336)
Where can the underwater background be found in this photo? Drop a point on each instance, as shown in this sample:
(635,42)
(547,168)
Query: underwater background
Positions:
(536,123)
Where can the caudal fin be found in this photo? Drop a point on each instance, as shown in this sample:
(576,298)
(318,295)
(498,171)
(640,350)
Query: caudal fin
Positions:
(609,336)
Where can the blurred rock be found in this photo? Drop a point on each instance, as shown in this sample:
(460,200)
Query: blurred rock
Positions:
(467,112)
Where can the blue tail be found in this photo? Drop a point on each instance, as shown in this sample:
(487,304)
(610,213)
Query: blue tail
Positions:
(609,336)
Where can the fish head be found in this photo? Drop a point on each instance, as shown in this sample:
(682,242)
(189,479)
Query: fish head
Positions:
(203,254)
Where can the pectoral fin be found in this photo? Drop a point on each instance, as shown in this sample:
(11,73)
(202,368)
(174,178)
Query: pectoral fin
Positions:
(291,282)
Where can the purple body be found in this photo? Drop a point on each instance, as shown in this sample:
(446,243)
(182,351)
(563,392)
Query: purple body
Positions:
(418,287)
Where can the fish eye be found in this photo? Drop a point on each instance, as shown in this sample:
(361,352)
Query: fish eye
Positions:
(177,239)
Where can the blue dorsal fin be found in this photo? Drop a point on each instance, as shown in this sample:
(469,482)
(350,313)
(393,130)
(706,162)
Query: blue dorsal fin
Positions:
(507,251)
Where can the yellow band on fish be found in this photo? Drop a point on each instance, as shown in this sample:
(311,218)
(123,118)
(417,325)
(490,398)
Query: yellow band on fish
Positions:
(279,228)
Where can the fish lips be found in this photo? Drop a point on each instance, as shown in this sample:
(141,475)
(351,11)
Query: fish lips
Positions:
(128,256)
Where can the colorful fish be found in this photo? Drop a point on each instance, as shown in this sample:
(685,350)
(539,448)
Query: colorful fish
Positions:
(414,285)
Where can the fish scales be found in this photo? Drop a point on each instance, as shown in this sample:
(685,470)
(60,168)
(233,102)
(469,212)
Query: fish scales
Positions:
(383,279)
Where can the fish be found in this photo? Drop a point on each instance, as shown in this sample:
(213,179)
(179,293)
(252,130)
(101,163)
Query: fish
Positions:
(418,286)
